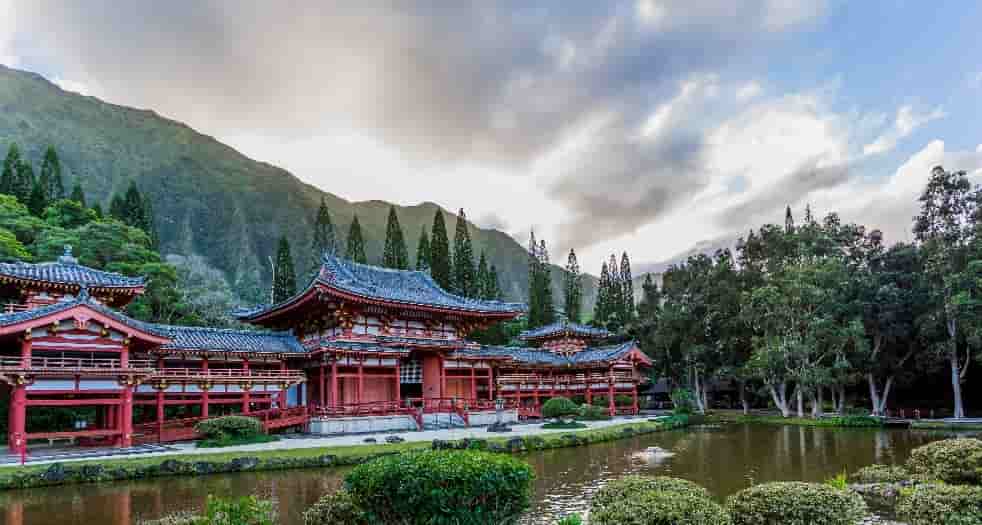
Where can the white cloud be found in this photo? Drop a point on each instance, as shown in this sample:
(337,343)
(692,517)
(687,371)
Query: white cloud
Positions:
(749,90)
(70,85)
(904,124)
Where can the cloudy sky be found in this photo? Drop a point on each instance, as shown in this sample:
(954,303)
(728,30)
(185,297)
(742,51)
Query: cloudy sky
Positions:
(646,125)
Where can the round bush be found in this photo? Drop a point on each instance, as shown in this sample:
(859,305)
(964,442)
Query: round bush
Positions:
(594,413)
(880,474)
(559,407)
(661,508)
(938,504)
(795,503)
(951,460)
(628,487)
(333,509)
(229,426)
(437,487)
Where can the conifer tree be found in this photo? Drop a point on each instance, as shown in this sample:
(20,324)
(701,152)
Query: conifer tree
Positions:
(440,267)
(627,289)
(545,286)
(133,212)
(324,238)
(150,223)
(356,243)
(423,251)
(615,295)
(573,288)
(36,201)
(601,309)
(284,280)
(97,209)
(463,259)
(50,177)
(78,194)
(650,299)
(788,221)
(534,297)
(117,208)
(395,254)
(23,182)
(9,174)
(481,277)
(492,287)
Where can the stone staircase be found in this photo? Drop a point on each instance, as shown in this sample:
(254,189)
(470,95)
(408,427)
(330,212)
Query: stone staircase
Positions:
(443,421)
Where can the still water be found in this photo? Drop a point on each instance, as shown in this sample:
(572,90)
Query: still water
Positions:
(723,459)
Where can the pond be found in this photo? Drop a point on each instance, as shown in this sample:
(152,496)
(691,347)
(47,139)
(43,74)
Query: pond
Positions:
(723,459)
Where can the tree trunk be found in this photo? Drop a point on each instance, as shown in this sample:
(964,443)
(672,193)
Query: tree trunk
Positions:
(780,399)
(698,393)
(874,395)
(800,397)
(742,389)
(841,408)
(819,401)
(956,383)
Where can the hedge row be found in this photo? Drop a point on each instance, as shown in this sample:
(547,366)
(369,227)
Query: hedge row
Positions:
(67,473)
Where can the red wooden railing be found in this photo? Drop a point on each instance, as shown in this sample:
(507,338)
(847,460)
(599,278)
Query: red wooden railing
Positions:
(74,364)
(226,374)
(9,308)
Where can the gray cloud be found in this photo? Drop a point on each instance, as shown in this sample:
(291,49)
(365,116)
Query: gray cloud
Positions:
(443,82)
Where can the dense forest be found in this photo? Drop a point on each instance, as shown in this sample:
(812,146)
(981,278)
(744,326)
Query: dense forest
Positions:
(819,306)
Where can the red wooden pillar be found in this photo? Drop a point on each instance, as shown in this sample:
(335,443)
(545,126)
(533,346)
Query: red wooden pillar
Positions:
(589,390)
(361,381)
(491,389)
(334,383)
(443,378)
(25,353)
(160,414)
(281,396)
(321,386)
(473,385)
(17,419)
(610,393)
(634,399)
(246,397)
(398,384)
(204,389)
(111,417)
(124,355)
(126,417)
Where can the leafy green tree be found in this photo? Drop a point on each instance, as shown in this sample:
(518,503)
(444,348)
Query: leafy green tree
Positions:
(650,298)
(117,208)
(423,251)
(356,243)
(37,201)
(573,288)
(78,194)
(9,174)
(285,279)
(50,176)
(12,250)
(96,209)
(440,266)
(395,254)
(463,259)
(134,212)
(150,222)
(23,182)
(68,214)
(15,217)
(323,240)
(946,230)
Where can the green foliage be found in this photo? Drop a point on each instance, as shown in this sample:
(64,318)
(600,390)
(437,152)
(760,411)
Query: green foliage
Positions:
(423,251)
(840,481)
(50,178)
(880,474)
(464,279)
(9,173)
(247,510)
(573,289)
(229,426)
(439,255)
(559,407)
(795,503)
(68,214)
(395,255)
(285,278)
(12,250)
(639,500)
(955,461)
(541,308)
(570,519)
(682,401)
(939,504)
(594,413)
(442,487)
(355,246)
(324,239)
(78,194)
(627,290)
(335,509)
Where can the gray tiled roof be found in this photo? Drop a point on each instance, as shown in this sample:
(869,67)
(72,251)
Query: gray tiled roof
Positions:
(226,340)
(563,327)
(535,356)
(405,287)
(67,271)
(358,346)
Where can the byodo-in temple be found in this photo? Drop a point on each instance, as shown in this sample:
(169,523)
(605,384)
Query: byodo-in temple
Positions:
(360,349)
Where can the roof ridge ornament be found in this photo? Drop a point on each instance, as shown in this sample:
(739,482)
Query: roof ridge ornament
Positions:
(66,257)
(83,293)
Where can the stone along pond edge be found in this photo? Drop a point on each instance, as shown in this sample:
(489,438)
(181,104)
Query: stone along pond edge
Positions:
(324,457)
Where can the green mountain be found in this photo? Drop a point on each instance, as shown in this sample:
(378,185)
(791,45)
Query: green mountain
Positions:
(209,199)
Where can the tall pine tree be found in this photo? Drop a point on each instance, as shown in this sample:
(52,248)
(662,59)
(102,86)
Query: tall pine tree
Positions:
(423,251)
(601,309)
(440,267)
(50,177)
(615,295)
(36,200)
(23,181)
(150,223)
(133,212)
(9,174)
(356,243)
(572,288)
(323,240)
(481,277)
(284,278)
(545,285)
(463,259)
(117,208)
(650,299)
(395,255)
(492,286)
(534,297)
(78,194)
(627,290)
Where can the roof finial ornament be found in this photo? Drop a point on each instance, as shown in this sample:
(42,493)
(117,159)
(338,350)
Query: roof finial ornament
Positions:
(83,293)
(66,257)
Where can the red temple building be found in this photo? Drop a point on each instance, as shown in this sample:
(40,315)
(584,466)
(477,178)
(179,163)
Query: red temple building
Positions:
(361,348)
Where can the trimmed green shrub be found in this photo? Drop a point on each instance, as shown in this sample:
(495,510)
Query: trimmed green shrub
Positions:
(438,487)
(559,408)
(939,504)
(683,401)
(629,487)
(229,426)
(853,421)
(570,519)
(594,413)
(623,400)
(178,518)
(795,503)
(661,508)
(957,461)
(599,401)
(880,474)
(335,508)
